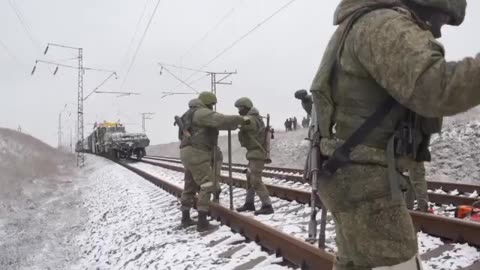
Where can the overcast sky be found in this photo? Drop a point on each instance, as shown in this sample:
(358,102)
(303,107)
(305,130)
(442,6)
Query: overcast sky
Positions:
(278,58)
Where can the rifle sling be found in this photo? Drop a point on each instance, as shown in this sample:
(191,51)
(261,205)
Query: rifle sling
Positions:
(341,156)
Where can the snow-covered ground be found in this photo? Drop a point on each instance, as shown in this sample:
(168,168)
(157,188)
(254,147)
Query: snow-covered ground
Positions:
(53,216)
(132,224)
(444,210)
(40,204)
(456,154)
(292,218)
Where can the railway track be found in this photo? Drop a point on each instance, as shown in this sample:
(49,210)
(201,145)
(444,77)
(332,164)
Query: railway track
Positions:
(443,193)
(449,228)
(296,252)
(296,175)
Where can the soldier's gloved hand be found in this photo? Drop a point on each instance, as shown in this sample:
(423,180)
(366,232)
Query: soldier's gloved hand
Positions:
(301,94)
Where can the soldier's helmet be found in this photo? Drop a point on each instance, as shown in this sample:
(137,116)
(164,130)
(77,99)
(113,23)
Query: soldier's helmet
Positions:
(301,94)
(207,98)
(244,102)
(455,8)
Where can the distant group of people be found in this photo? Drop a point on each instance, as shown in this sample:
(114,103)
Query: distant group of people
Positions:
(292,123)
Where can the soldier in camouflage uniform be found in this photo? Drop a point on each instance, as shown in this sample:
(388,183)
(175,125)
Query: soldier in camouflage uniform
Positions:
(196,151)
(306,99)
(252,137)
(190,188)
(384,50)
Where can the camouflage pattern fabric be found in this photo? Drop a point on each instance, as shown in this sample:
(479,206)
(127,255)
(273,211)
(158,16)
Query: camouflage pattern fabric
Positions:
(372,230)
(190,188)
(199,163)
(197,154)
(387,52)
(205,124)
(255,184)
(252,136)
(418,188)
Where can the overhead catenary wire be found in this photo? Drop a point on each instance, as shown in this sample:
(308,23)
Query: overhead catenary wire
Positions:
(205,36)
(74,67)
(140,44)
(166,94)
(24,24)
(179,79)
(10,53)
(234,43)
(100,85)
(137,28)
(248,33)
(163,65)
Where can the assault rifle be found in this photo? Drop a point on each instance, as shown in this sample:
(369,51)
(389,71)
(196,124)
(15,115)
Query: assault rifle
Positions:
(182,131)
(312,166)
(268,137)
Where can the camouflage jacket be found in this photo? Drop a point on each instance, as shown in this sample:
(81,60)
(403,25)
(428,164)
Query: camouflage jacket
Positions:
(387,52)
(252,136)
(203,125)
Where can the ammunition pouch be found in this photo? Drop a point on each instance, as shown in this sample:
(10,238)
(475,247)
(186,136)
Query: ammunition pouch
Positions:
(412,137)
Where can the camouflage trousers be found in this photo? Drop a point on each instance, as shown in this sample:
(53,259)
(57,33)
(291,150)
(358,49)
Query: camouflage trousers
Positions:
(199,177)
(255,184)
(372,230)
(418,188)
(190,189)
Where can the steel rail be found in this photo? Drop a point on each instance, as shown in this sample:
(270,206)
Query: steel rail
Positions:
(435,225)
(433,185)
(293,250)
(433,197)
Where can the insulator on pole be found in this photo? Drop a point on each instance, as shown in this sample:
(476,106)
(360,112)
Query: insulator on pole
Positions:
(46,50)
(55,72)
(33,70)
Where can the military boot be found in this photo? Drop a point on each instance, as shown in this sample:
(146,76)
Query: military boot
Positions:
(186,220)
(203,224)
(265,210)
(248,206)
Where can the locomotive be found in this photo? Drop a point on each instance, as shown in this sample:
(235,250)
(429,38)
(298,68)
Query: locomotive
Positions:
(110,139)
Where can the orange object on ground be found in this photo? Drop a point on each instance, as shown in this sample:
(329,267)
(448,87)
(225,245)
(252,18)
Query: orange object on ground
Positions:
(467,211)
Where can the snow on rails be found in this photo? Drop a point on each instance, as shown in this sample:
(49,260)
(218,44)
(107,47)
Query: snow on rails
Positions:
(284,233)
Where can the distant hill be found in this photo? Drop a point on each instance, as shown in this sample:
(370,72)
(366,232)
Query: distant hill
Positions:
(23,156)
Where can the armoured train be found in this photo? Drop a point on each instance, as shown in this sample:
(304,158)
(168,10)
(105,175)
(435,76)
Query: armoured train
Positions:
(111,139)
